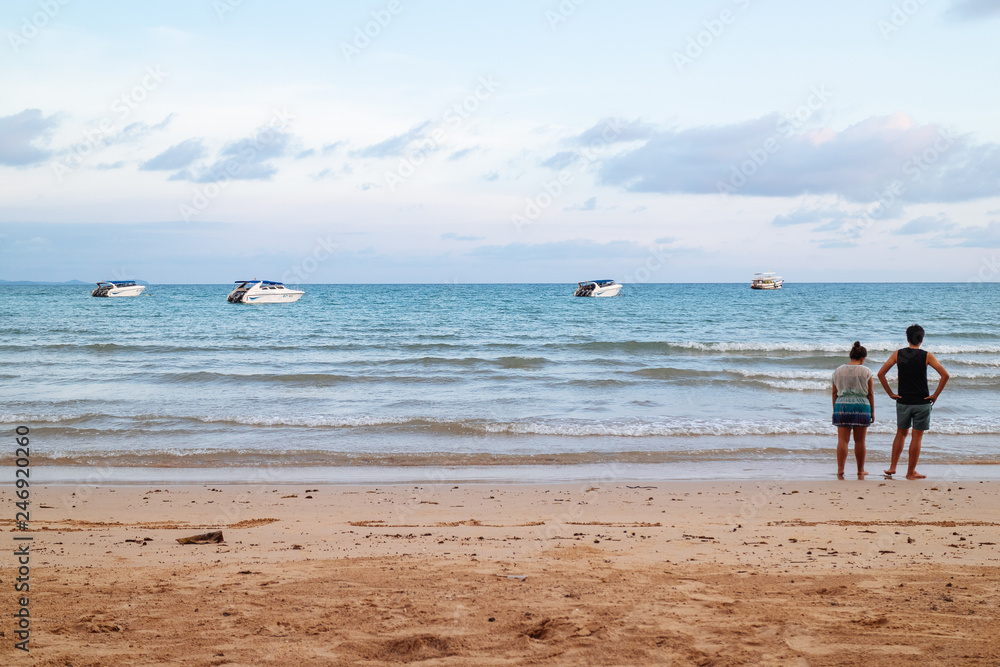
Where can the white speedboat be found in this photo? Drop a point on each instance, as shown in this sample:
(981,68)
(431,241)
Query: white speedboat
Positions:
(118,288)
(598,288)
(766,281)
(263,291)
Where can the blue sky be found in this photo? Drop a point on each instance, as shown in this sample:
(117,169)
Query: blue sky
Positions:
(203,141)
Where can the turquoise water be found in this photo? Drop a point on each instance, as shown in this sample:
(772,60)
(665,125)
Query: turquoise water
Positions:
(426,375)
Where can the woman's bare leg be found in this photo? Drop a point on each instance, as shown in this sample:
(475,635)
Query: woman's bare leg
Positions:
(843,438)
(860,433)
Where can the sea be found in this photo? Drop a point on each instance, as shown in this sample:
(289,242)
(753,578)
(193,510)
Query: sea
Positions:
(514,382)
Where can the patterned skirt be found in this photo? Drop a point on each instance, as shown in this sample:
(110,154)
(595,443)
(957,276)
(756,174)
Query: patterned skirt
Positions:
(852,411)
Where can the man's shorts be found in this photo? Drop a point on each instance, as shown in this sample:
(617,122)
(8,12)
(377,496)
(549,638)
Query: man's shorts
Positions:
(917,417)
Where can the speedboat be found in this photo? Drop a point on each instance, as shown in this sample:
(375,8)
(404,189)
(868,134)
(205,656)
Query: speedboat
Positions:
(598,288)
(263,291)
(766,281)
(118,288)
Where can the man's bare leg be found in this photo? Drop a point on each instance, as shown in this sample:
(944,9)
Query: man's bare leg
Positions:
(860,432)
(843,437)
(911,471)
(897,449)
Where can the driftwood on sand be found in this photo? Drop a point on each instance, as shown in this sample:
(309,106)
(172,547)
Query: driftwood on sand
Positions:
(205,538)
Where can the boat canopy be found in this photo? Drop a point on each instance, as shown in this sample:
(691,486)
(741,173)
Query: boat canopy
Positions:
(602,283)
(118,283)
(262,282)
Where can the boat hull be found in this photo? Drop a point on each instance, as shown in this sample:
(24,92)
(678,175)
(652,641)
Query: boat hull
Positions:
(134,290)
(775,285)
(610,290)
(287,296)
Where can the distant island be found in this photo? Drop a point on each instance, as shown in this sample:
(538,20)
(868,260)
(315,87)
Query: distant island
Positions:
(36,282)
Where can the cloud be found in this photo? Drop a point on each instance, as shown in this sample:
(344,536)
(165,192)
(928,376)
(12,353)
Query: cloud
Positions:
(805,216)
(856,163)
(133,132)
(491,176)
(248,159)
(836,243)
(458,155)
(560,160)
(973,9)
(562,250)
(979,237)
(309,152)
(393,146)
(330,148)
(456,237)
(20,136)
(176,157)
(106,166)
(589,205)
(666,240)
(615,130)
(925,224)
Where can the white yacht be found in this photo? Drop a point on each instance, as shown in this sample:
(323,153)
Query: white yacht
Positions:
(598,288)
(766,280)
(263,291)
(118,288)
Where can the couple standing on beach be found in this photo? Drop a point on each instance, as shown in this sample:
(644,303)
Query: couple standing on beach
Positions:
(854,401)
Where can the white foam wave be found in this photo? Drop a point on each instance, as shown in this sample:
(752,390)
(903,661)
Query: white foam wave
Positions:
(628,427)
(835,348)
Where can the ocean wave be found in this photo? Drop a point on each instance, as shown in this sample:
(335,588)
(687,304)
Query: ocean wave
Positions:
(267,458)
(295,379)
(516,348)
(769,347)
(562,427)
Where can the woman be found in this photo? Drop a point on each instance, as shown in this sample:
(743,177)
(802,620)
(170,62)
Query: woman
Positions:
(853,408)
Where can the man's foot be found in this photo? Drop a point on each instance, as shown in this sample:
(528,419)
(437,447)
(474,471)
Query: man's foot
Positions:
(840,475)
(862,474)
(915,475)
(890,472)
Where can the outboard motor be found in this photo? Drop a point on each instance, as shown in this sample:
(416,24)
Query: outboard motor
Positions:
(585,290)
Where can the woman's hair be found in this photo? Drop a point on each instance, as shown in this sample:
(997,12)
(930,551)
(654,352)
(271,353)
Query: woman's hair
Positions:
(858,352)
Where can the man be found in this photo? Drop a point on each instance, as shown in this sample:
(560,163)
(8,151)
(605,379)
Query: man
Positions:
(914,400)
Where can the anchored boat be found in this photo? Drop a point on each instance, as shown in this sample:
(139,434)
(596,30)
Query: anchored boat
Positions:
(766,280)
(598,288)
(263,291)
(118,288)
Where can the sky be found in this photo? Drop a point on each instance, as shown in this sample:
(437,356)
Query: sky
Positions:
(436,141)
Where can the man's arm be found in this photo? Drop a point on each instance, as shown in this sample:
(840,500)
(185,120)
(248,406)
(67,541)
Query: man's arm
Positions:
(834,396)
(889,363)
(936,365)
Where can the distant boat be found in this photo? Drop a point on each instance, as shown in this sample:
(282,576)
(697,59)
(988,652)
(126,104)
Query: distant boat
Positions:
(118,288)
(766,281)
(263,291)
(598,288)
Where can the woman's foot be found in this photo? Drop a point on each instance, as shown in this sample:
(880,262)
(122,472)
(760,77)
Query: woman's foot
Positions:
(890,472)
(840,475)
(862,474)
(915,475)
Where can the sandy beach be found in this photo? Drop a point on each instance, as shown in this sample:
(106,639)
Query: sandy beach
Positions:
(730,573)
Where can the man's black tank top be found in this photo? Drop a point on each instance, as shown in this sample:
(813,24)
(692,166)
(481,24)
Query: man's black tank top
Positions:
(912,365)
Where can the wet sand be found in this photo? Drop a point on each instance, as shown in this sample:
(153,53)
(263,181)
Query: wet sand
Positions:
(687,573)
